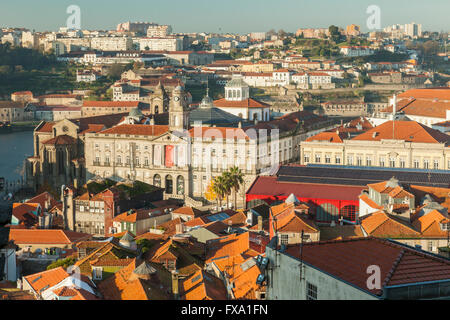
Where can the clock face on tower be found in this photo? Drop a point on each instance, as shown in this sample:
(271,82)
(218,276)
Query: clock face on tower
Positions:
(177,99)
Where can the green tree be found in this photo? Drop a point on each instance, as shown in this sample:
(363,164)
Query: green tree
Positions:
(227,185)
(219,188)
(335,35)
(65,263)
(236,177)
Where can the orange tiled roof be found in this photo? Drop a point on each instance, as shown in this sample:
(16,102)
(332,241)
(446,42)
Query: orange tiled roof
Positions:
(137,129)
(110,104)
(43,198)
(188,211)
(122,286)
(229,246)
(46,236)
(287,220)
(23,212)
(381,224)
(239,219)
(46,127)
(46,279)
(203,286)
(428,224)
(409,131)
(440,93)
(328,136)
(247,103)
(61,140)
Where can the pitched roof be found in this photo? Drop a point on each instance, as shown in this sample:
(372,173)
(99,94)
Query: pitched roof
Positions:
(228,246)
(268,185)
(109,104)
(189,211)
(202,286)
(43,198)
(410,131)
(137,129)
(247,103)
(348,260)
(429,224)
(287,220)
(340,232)
(61,140)
(46,236)
(382,224)
(123,285)
(23,212)
(108,254)
(46,279)
(328,136)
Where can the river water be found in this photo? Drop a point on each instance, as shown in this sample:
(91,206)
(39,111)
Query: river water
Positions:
(14,149)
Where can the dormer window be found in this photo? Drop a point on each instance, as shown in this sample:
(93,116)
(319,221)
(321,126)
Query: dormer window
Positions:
(97,273)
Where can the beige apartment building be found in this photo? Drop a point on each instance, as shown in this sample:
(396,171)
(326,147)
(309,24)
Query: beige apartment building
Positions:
(257,67)
(398,144)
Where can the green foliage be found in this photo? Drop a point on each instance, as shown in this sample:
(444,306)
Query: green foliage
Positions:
(230,181)
(65,263)
(145,244)
(28,59)
(117,69)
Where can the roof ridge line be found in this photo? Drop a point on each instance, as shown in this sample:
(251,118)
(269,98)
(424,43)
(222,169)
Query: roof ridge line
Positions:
(393,268)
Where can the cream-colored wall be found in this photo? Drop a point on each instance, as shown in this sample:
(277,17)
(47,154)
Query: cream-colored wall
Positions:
(376,149)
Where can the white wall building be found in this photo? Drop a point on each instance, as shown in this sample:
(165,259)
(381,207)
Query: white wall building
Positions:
(160,44)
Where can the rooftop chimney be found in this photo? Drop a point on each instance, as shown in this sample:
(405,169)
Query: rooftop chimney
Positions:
(175,290)
(260,222)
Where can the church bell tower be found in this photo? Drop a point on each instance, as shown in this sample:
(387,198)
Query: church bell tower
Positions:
(178,117)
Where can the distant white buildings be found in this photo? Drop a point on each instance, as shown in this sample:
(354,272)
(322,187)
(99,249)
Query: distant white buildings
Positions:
(397,31)
(356,51)
(87,76)
(159,31)
(160,44)
(112,43)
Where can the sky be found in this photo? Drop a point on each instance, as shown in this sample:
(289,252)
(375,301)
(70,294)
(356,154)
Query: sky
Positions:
(224,16)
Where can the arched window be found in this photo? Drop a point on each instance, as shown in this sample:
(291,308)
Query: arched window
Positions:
(349,212)
(157,180)
(156,109)
(119,160)
(169,184)
(180,185)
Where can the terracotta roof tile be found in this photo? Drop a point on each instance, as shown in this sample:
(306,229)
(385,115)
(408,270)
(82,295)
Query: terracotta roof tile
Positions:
(381,224)
(247,103)
(137,129)
(46,236)
(409,131)
(46,279)
(338,257)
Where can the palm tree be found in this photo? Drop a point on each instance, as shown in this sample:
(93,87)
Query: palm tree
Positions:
(228,184)
(219,188)
(236,178)
(216,187)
